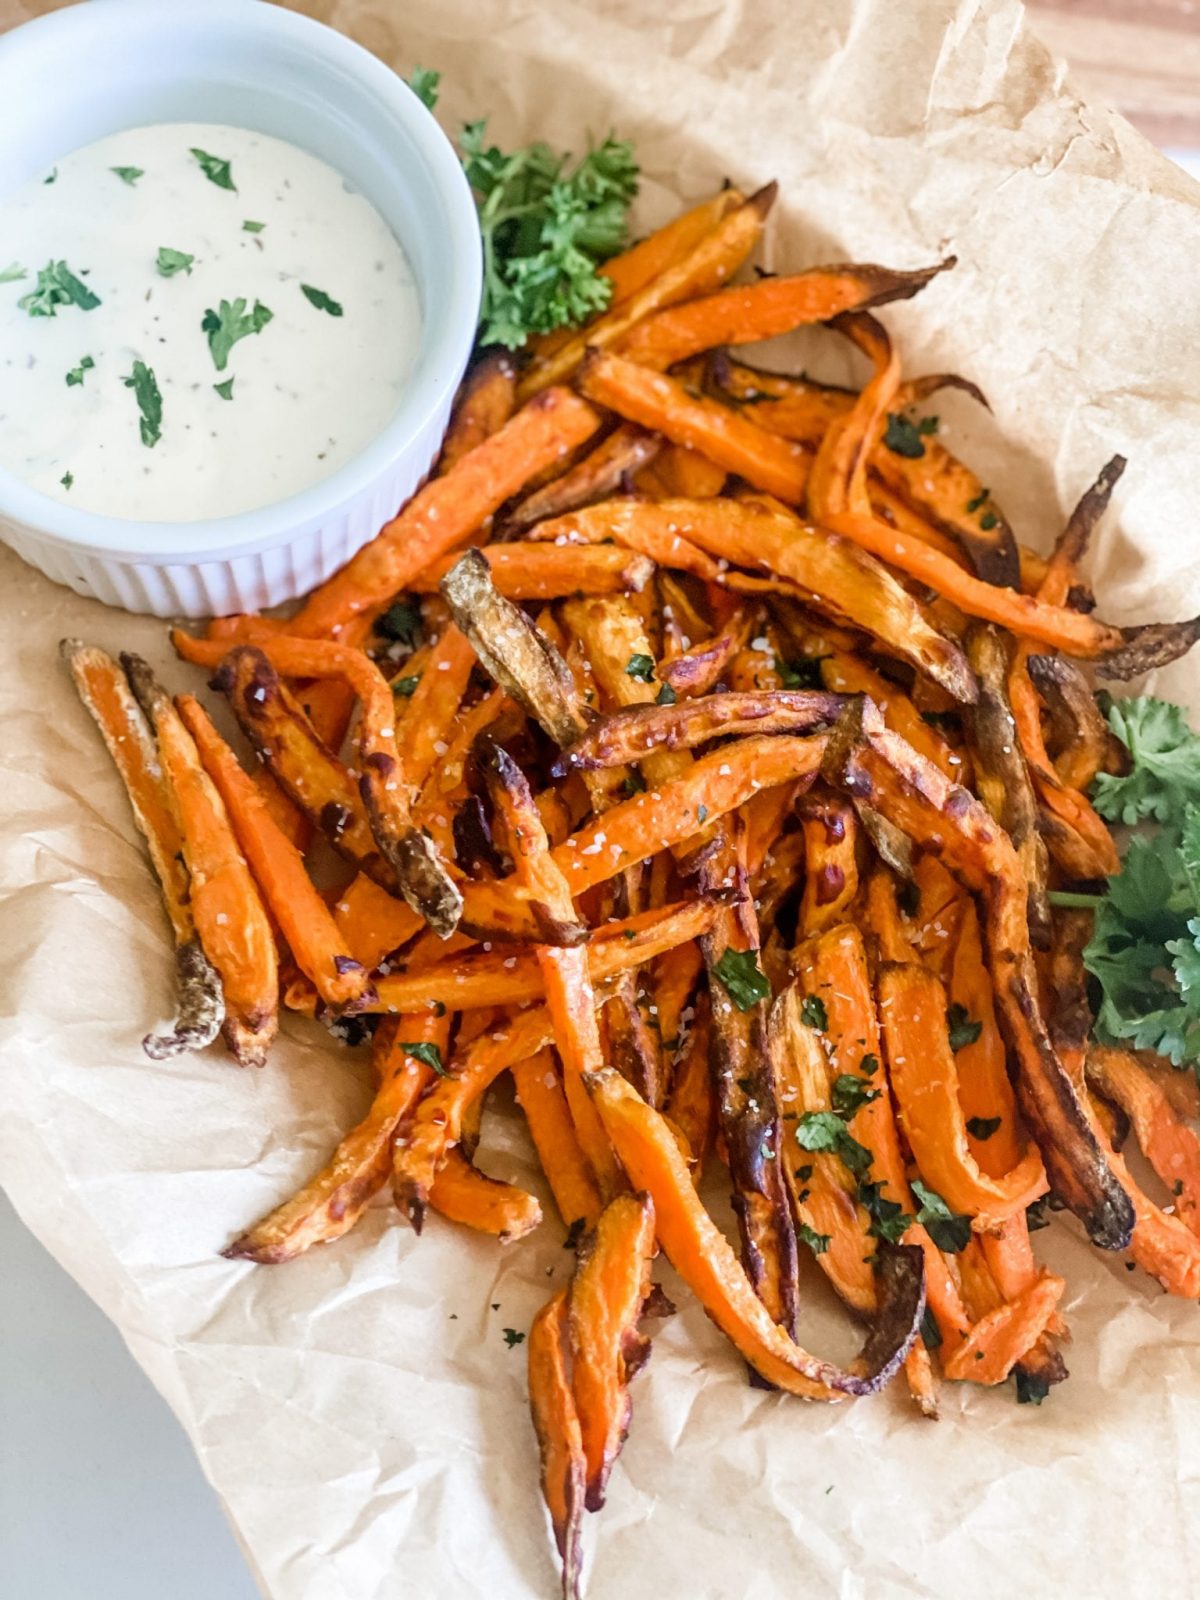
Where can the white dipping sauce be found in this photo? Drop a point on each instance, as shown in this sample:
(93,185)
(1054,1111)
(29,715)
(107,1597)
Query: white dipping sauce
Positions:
(310,388)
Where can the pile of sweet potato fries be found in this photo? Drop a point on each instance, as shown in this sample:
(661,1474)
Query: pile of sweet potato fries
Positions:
(702,749)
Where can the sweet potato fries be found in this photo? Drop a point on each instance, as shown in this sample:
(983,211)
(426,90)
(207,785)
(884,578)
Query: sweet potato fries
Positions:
(701,781)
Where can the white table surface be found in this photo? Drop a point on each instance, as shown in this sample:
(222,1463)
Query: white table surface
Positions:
(100,1495)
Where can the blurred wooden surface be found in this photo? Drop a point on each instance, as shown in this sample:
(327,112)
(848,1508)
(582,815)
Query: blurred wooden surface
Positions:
(1141,56)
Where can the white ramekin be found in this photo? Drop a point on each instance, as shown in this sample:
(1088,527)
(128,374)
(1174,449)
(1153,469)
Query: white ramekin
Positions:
(72,77)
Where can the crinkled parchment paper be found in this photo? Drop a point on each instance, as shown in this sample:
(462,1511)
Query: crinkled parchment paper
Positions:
(358,1410)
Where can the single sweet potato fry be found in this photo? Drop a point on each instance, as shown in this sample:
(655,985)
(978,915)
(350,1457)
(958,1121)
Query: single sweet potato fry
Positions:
(831,837)
(618,457)
(608,1293)
(231,920)
(1168,1143)
(461,1193)
(523,571)
(303,917)
(999,1340)
(703,1257)
(731,439)
(107,697)
(746,313)
(638,732)
(556,1424)
(690,1104)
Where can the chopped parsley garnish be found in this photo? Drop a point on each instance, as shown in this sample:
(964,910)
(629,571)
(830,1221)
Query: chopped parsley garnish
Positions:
(666,696)
(931,1334)
(889,1220)
(53,178)
(406,687)
(424,1050)
(231,323)
(12,273)
(512,1337)
(215,169)
(988,521)
(978,501)
(633,783)
(401,621)
(424,83)
(742,978)
(67,479)
(640,667)
(75,376)
(129,175)
(170,261)
(818,1243)
(225,390)
(57,286)
(946,1228)
(903,437)
(253,227)
(818,1131)
(803,673)
(145,391)
(963,1029)
(850,1092)
(983,1127)
(813,1013)
(322,301)
(546,228)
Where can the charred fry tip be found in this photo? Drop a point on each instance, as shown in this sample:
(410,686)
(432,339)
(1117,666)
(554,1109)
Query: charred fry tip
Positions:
(763,199)
(1148,645)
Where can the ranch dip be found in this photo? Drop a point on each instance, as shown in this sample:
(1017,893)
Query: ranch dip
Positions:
(195,320)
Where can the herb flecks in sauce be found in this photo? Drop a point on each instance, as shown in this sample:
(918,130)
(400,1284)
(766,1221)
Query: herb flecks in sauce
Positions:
(67,479)
(322,301)
(225,390)
(145,390)
(253,227)
(231,323)
(129,175)
(75,376)
(169,261)
(215,168)
(57,286)
(13,273)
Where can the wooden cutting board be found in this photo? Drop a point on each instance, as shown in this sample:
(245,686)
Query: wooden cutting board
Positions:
(1142,56)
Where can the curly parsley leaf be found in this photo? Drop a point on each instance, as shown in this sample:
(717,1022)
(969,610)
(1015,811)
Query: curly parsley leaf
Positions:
(322,301)
(903,437)
(169,261)
(145,391)
(1166,763)
(742,978)
(826,1131)
(215,168)
(425,83)
(546,227)
(57,286)
(231,323)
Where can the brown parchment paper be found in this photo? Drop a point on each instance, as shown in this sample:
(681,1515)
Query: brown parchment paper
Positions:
(358,1411)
